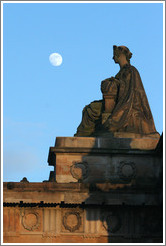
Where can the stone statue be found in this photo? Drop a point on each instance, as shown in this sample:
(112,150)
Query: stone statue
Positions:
(124,108)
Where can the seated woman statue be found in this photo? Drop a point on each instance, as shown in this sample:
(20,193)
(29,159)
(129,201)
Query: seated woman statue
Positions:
(129,109)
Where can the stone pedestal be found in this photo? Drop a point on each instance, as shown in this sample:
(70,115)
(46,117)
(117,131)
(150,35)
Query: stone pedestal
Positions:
(99,160)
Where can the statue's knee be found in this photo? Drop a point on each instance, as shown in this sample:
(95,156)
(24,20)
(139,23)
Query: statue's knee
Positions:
(96,106)
(85,108)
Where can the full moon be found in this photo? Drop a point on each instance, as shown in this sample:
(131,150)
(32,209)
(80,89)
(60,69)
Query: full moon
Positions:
(55,59)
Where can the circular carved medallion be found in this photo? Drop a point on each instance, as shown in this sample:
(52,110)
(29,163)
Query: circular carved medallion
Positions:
(30,221)
(79,170)
(127,170)
(111,222)
(72,221)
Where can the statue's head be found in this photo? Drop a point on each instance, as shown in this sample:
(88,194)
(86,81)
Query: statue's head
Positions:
(118,50)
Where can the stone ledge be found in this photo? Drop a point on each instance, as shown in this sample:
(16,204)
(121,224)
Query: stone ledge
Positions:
(84,194)
(74,187)
(114,143)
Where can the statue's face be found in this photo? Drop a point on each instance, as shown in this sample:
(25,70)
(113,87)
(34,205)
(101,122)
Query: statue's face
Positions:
(116,57)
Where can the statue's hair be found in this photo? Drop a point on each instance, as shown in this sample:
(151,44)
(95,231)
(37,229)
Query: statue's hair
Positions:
(124,50)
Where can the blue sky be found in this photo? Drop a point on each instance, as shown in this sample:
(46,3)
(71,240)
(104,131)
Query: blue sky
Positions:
(41,101)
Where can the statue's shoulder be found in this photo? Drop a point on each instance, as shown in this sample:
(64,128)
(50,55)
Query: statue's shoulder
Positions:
(129,67)
(127,70)
(133,69)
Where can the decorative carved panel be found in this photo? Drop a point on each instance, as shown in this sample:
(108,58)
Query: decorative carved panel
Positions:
(127,170)
(111,222)
(30,220)
(72,221)
(79,170)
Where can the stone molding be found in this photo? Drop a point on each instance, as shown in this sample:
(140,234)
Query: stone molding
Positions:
(50,234)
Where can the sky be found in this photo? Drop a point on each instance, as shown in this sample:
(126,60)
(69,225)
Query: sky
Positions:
(41,101)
